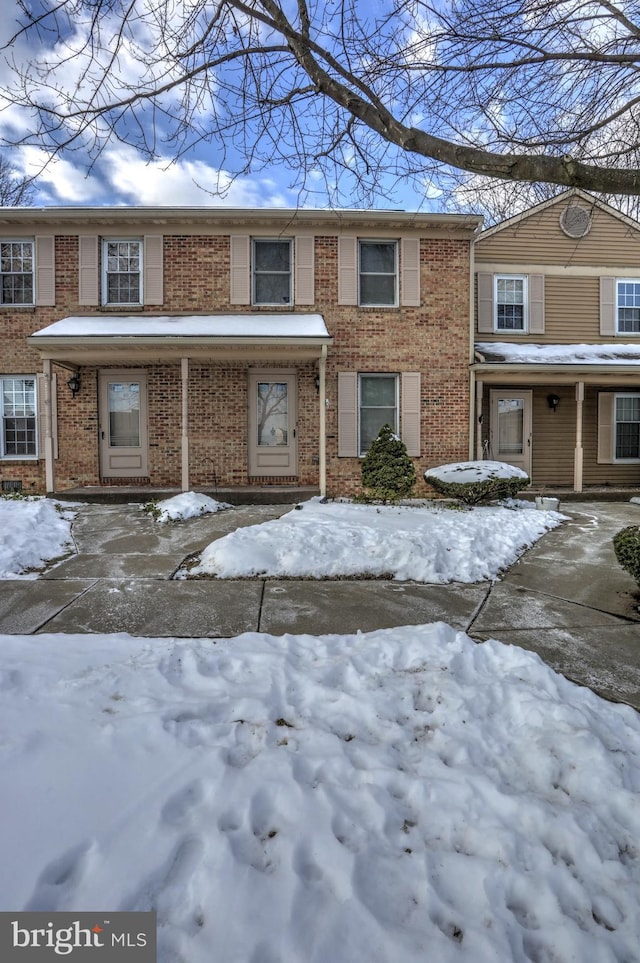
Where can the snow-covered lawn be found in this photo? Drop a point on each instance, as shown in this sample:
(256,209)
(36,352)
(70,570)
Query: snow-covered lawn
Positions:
(334,539)
(398,797)
(33,531)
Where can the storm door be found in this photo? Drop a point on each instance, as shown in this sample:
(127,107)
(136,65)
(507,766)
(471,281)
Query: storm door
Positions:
(273,448)
(511,428)
(124,449)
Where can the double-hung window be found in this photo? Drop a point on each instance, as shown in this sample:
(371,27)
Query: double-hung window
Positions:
(272,271)
(378,273)
(121,271)
(627,427)
(510,302)
(18,409)
(16,272)
(628,307)
(377,405)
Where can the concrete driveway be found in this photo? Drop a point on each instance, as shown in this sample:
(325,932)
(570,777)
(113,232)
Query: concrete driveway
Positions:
(567,599)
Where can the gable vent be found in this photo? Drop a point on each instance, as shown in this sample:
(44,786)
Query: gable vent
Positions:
(575,221)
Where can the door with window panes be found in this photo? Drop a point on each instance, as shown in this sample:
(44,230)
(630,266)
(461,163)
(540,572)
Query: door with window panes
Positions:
(510,428)
(273,444)
(124,449)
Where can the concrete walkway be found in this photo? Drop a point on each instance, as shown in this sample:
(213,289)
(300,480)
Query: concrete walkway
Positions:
(566,599)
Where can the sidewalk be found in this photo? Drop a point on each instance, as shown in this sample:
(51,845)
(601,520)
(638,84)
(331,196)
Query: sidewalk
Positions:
(566,599)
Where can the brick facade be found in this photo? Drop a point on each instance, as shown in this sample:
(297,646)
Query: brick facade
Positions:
(432,339)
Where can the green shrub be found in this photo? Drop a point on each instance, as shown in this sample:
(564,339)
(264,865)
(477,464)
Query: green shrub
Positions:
(387,471)
(490,488)
(626,545)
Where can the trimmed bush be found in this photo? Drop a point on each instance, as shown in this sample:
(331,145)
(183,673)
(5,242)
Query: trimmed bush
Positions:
(480,481)
(387,471)
(626,545)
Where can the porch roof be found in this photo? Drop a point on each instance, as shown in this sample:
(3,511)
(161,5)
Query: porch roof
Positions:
(560,363)
(145,338)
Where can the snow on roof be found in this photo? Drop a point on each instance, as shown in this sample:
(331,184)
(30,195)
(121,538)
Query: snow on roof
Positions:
(194,326)
(508,353)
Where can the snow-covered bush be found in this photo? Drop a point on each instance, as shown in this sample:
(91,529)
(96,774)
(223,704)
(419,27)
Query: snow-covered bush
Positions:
(387,471)
(477,482)
(626,544)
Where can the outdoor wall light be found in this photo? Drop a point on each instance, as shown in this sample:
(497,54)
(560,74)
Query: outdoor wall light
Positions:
(553,401)
(74,383)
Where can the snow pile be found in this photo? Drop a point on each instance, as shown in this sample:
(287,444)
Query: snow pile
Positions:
(464,472)
(33,531)
(431,544)
(184,506)
(406,795)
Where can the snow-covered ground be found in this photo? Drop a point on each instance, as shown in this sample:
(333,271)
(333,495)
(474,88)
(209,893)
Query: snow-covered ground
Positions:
(426,544)
(32,532)
(401,796)
(180,508)
(406,795)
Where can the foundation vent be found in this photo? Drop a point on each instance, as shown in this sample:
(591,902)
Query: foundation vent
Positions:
(11,485)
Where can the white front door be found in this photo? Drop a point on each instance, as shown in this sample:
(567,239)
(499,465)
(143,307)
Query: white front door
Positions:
(510,428)
(273,447)
(124,451)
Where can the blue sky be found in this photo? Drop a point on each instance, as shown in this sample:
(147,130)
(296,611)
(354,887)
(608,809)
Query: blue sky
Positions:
(121,174)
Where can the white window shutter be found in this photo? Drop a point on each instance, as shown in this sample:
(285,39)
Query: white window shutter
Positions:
(347,270)
(608,306)
(410,272)
(240,290)
(41,415)
(304,269)
(606,403)
(45,270)
(485,303)
(153,267)
(347,414)
(536,304)
(410,411)
(89,288)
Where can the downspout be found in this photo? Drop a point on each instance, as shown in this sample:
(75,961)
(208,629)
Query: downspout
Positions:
(322,467)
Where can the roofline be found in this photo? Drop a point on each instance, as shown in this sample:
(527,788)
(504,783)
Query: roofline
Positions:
(238,215)
(564,196)
(68,340)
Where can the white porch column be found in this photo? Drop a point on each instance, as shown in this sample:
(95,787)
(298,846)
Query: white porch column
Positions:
(578,455)
(49,462)
(478,413)
(322,467)
(185,424)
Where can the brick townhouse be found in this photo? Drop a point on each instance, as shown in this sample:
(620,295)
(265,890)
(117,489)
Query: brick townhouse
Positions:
(215,349)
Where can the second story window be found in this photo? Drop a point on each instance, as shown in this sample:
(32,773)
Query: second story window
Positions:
(378,273)
(16,272)
(628,313)
(121,272)
(510,302)
(272,272)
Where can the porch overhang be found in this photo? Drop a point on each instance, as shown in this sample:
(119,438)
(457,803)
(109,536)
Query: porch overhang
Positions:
(111,340)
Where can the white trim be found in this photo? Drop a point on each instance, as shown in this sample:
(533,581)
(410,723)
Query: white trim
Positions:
(105,241)
(525,303)
(271,240)
(616,396)
(377,240)
(377,374)
(21,304)
(23,457)
(619,333)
